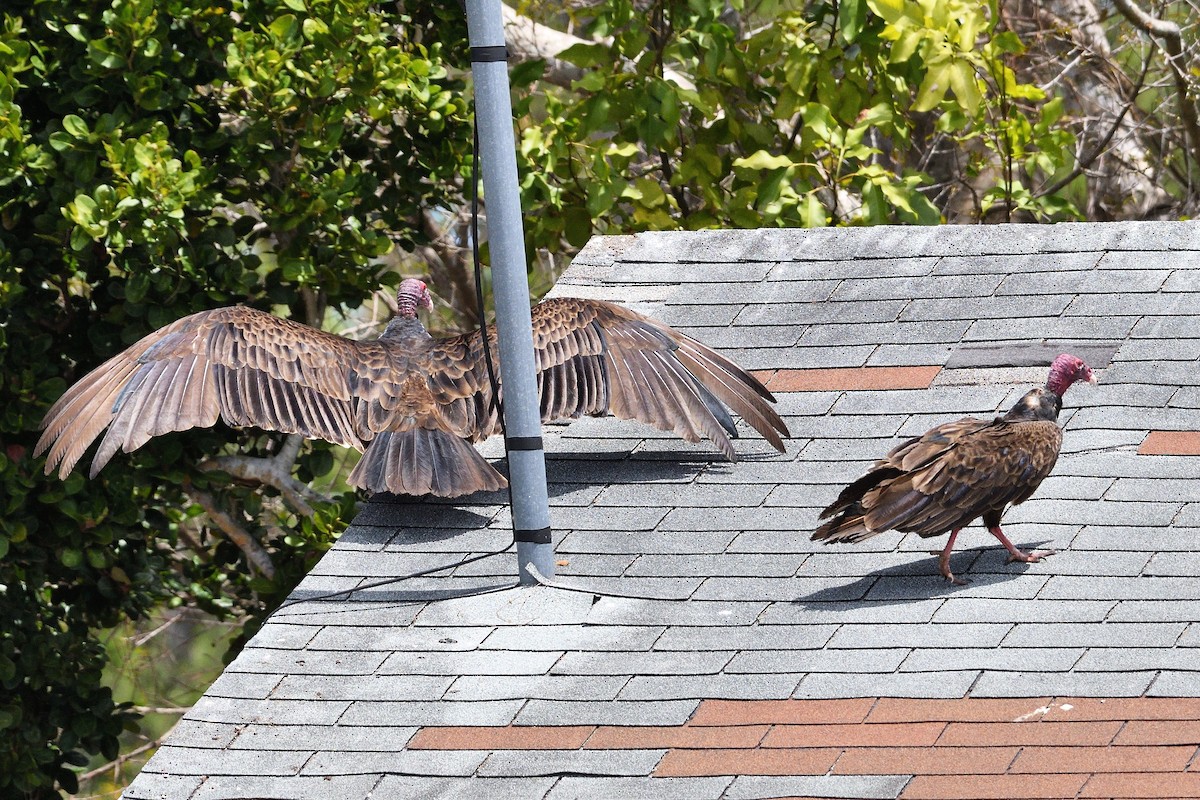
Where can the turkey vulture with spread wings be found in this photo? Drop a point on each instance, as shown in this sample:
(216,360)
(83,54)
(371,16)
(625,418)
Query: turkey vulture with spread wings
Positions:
(959,471)
(412,403)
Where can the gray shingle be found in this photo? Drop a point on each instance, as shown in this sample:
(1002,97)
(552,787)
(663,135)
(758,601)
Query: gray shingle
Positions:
(653,663)
(1016,264)
(541,687)
(839,661)
(573,712)
(970,609)
(823,612)
(377,713)
(309,711)
(573,637)
(949,684)
(524,606)
(358,739)
(174,760)
(407,787)
(1175,684)
(460,763)
(1052,658)
(571,762)
(916,287)
(816,313)
(476,662)
(250,787)
(1094,634)
(389,638)
(306,662)
(362,687)
(1129,659)
(1155,611)
(747,787)
(622,611)
(754,637)
(774,686)
(747,565)
(1065,684)
(929,637)
(582,788)
(149,785)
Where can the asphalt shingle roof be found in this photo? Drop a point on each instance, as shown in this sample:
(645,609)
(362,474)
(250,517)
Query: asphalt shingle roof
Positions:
(696,593)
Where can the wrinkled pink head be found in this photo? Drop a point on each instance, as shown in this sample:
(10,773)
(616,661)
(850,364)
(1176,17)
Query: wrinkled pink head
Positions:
(1066,370)
(411,295)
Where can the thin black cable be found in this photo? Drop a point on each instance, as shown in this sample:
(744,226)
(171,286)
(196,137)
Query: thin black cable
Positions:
(496,405)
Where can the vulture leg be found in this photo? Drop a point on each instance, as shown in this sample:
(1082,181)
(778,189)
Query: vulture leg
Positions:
(944,560)
(1015,554)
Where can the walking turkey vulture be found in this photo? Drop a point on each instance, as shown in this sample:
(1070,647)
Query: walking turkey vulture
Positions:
(958,471)
(412,403)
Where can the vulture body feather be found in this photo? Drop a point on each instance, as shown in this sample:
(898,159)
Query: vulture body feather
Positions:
(412,403)
(959,471)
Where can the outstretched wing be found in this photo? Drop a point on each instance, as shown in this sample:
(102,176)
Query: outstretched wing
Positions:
(596,358)
(245,366)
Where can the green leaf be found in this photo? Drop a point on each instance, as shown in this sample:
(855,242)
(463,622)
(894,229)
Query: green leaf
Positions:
(296,5)
(591,82)
(933,87)
(587,55)
(577,226)
(75,126)
(284,27)
(71,558)
(966,88)
(761,160)
(852,15)
(812,212)
(890,10)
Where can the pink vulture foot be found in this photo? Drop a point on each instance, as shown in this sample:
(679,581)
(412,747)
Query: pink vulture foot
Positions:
(1016,554)
(944,560)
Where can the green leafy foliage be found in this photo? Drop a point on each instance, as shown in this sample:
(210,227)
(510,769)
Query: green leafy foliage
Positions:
(159,157)
(825,114)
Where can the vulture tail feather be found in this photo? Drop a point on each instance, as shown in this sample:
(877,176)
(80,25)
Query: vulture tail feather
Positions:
(455,467)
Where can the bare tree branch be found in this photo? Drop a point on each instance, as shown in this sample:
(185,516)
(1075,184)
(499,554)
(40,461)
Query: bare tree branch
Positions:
(528,40)
(255,553)
(1172,41)
(1084,162)
(275,471)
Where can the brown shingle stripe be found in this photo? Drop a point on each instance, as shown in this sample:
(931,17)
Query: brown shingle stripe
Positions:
(1143,784)
(1153,732)
(1171,443)
(925,760)
(530,737)
(799,712)
(776,761)
(1123,708)
(848,378)
(1027,733)
(652,738)
(919,734)
(1103,759)
(993,787)
(966,709)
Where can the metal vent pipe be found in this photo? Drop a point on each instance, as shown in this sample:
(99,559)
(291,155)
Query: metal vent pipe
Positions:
(510,290)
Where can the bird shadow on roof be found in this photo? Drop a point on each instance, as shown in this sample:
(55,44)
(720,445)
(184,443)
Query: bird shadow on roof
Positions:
(915,581)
